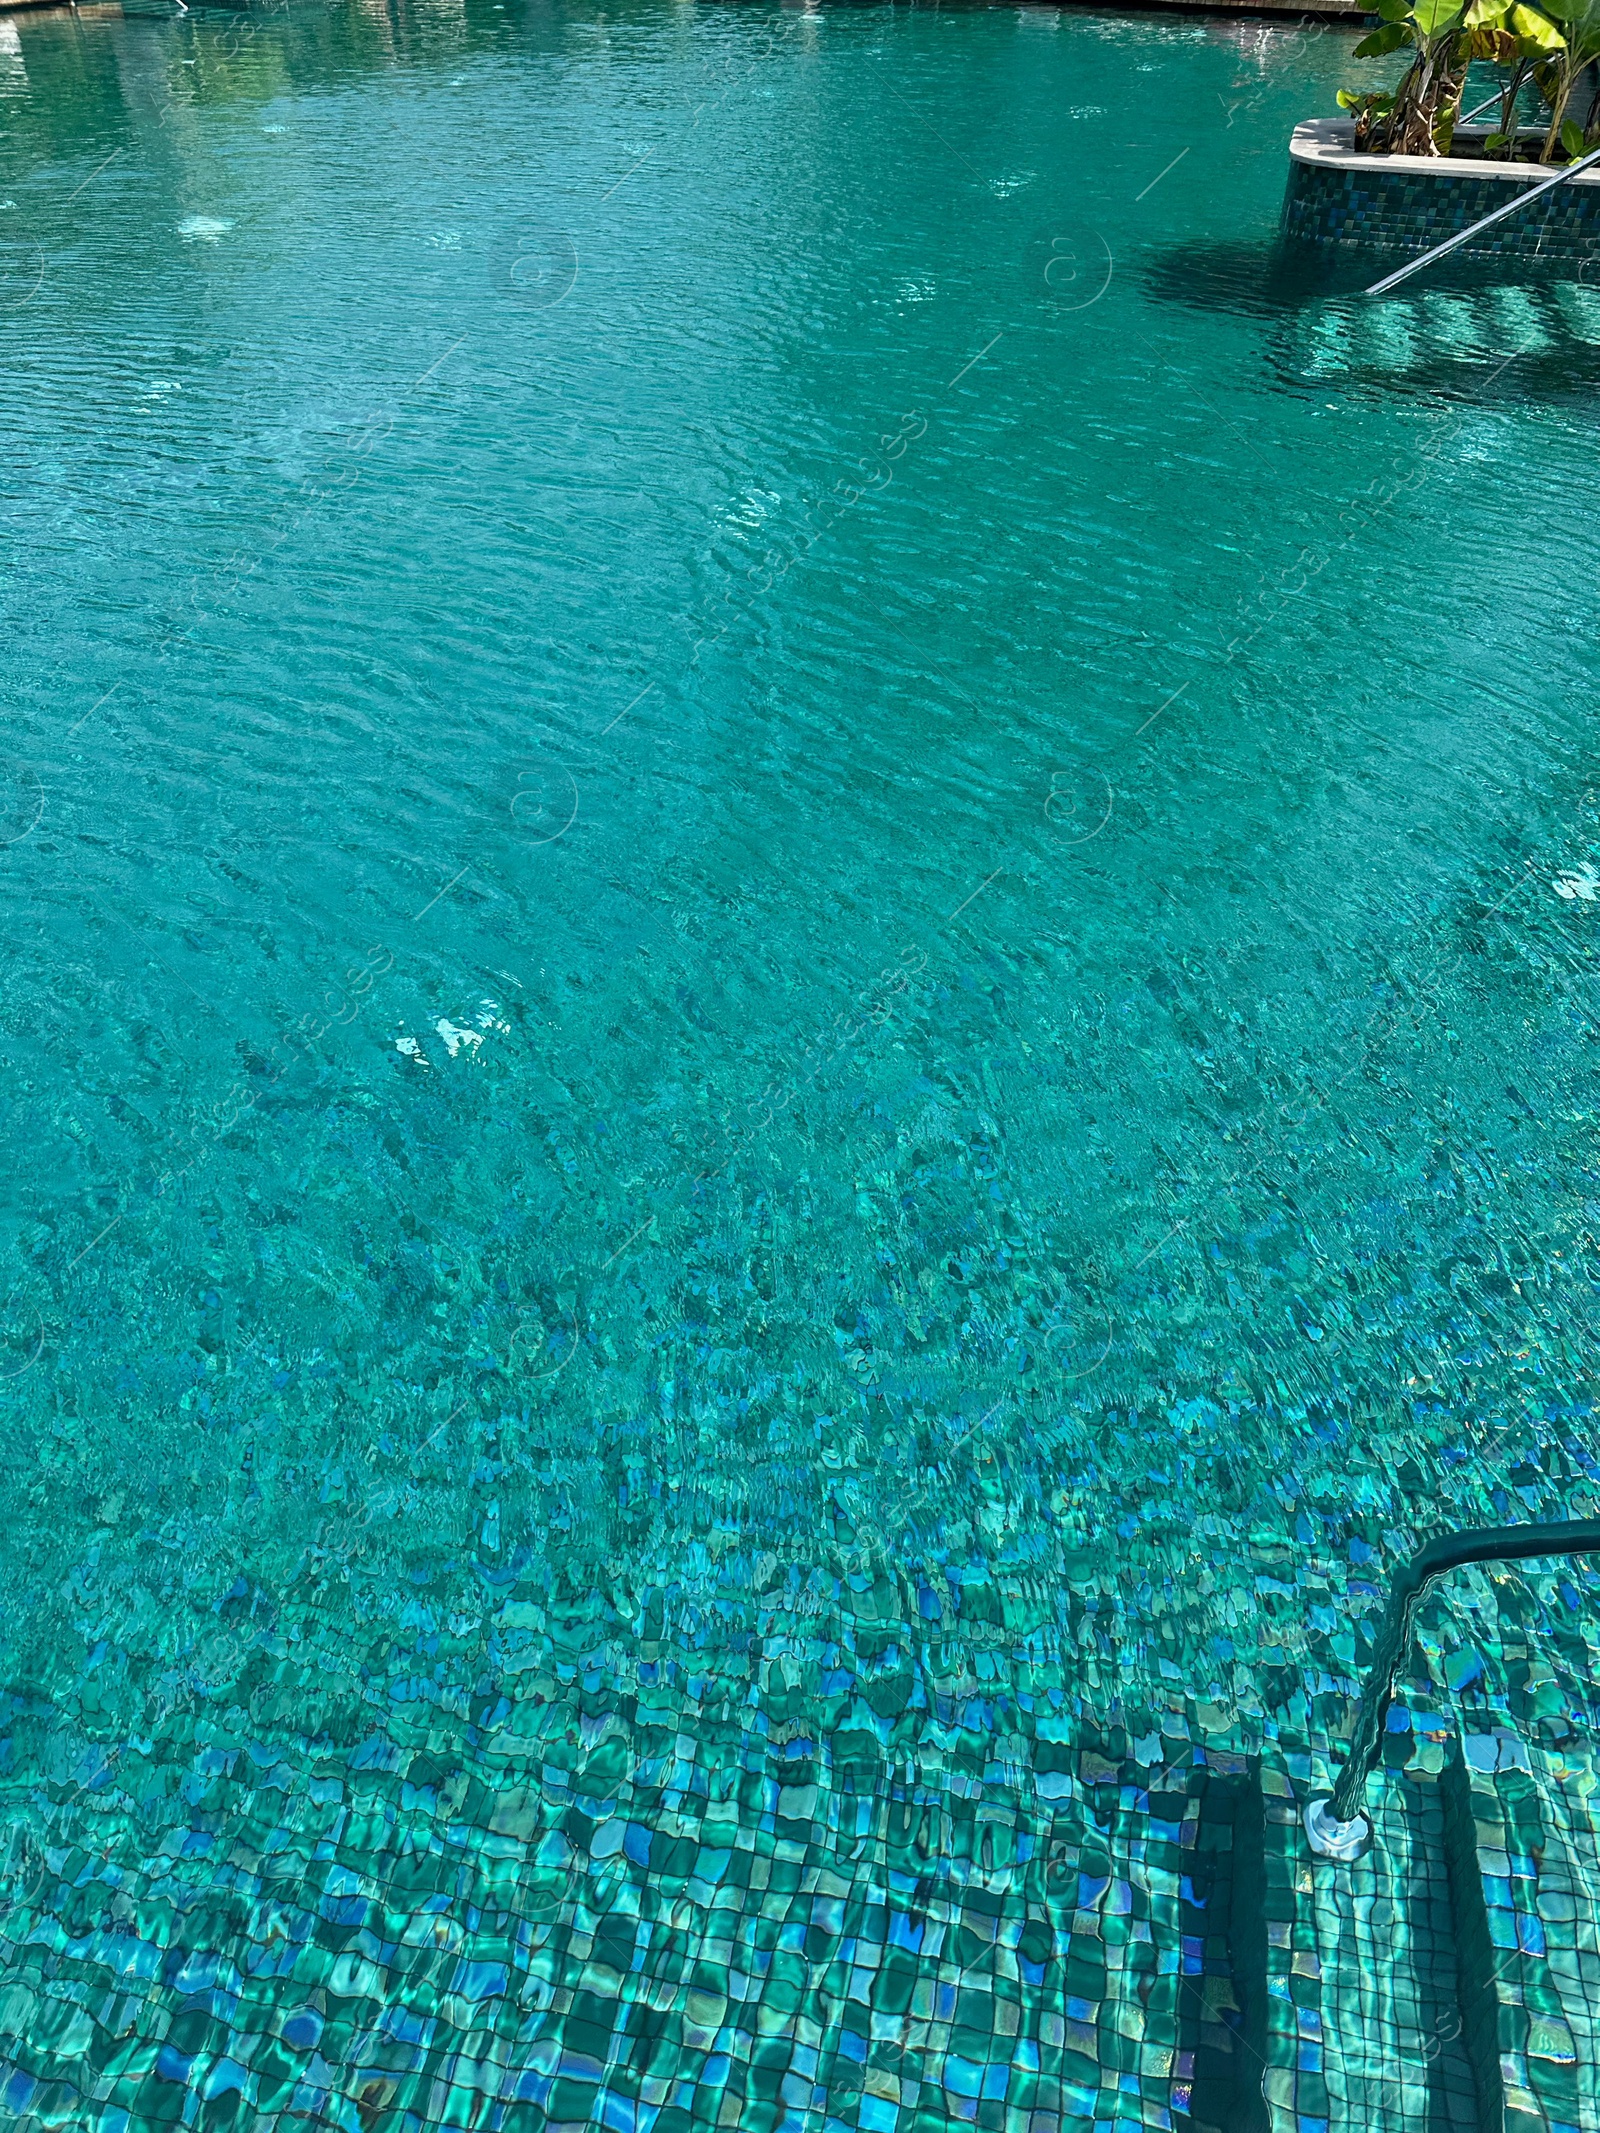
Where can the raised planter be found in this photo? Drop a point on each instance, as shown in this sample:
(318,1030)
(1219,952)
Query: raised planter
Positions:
(1408,203)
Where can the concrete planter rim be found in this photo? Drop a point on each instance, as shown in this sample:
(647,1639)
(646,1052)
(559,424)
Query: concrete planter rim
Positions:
(1329,144)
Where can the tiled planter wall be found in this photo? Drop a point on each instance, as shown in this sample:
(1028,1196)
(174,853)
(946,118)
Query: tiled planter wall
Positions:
(1407,203)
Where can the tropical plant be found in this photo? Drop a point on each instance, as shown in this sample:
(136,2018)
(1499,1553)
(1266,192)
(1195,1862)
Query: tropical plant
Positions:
(1519,38)
(1418,117)
(1445,37)
(1557,75)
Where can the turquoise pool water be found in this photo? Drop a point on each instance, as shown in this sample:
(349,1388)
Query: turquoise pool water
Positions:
(798,1033)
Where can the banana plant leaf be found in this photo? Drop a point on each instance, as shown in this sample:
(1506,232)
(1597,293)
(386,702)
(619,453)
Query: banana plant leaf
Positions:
(1535,29)
(1488,21)
(1581,21)
(1420,19)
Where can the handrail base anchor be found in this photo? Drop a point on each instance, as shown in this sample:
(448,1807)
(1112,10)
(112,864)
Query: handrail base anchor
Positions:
(1344,1841)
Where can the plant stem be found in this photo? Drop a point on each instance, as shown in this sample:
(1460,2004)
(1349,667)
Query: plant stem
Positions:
(1508,109)
(1558,110)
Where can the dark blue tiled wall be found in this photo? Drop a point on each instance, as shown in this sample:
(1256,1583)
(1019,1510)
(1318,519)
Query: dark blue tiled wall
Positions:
(1409,211)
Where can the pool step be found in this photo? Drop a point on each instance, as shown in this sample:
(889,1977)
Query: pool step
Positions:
(1171,1956)
(1123,2059)
(1526,1850)
(1347,1975)
(1423,328)
(1447,1982)
(1220,1924)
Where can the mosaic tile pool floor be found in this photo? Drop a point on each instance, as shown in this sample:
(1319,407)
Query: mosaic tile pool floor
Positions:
(798,1037)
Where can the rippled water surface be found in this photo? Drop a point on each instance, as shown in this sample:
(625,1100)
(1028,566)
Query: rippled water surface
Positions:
(798,996)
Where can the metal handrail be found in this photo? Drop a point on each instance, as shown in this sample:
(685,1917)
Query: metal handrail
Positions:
(1338,1827)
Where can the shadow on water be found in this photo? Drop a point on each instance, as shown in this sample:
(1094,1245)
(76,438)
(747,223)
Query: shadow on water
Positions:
(1446,331)
(1252,280)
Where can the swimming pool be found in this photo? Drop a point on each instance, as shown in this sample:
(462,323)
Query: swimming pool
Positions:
(798,1037)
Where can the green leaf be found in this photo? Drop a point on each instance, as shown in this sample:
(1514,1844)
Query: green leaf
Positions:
(1536,29)
(1582,18)
(1485,15)
(1572,139)
(1494,142)
(1387,39)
